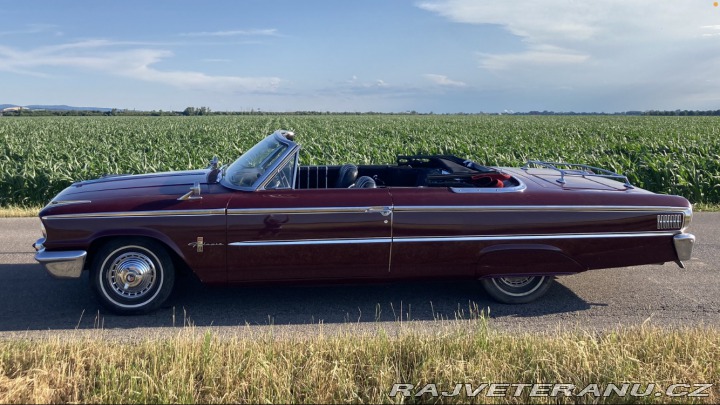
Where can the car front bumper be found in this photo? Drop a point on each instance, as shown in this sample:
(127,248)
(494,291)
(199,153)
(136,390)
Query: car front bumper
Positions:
(683,247)
(61,264)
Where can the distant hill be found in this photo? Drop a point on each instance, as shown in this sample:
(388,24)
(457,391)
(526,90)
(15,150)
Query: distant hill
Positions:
(55,107)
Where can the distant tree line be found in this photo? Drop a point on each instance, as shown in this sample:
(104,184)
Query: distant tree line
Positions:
(649,112)
(189,111)
(194,111)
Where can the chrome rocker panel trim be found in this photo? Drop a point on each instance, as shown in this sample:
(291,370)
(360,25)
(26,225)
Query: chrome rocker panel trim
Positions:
(340,241)
(123,214)
(465,238)
(60,264)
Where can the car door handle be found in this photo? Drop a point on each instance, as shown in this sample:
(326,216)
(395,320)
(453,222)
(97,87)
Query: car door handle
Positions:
(384,211)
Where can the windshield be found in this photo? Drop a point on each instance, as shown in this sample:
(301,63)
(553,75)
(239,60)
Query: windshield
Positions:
(249,167)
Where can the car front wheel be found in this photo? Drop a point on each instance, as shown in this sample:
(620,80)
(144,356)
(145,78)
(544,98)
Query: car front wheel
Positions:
(517,290)
(132,276)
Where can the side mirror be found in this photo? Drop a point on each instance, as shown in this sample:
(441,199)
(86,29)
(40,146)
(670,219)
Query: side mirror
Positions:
(213,163)
(193,194)
(213,175)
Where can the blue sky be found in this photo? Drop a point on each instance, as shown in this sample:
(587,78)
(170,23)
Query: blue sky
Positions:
(389,56)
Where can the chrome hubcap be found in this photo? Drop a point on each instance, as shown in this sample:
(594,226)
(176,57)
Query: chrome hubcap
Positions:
(518,286)
(132,275)
(516,282)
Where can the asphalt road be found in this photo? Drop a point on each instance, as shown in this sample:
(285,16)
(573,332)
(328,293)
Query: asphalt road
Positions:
(34,304)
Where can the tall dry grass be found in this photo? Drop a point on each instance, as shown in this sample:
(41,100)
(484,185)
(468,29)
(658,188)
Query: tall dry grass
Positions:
(195,367)
(15,212)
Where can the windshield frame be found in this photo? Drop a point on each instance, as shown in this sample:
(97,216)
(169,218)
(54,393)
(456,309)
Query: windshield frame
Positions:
(291,148)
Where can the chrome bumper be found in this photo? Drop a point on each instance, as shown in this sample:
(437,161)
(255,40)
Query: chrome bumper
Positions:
(683,247)
(62,264)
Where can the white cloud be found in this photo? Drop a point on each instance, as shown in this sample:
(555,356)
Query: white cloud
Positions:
(649,51)
(33,29)
(536,56)
(580,28)
(356,83)
(443,80)
(198,80)
(707,28)
(578,21)
(135,63)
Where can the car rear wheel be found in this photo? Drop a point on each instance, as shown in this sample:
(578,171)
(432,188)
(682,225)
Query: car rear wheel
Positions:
(132,276)
(517,290)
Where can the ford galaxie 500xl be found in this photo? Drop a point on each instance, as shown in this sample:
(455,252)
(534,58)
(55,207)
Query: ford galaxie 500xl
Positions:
(265,218)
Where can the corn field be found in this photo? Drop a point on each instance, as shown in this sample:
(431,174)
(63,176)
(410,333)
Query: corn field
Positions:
(39,156)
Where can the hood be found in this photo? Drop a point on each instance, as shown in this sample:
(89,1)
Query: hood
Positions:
(125,181)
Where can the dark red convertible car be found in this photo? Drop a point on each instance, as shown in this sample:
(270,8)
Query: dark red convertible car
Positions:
(265,218)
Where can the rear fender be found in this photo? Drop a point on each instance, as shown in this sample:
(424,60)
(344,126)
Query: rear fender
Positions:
(525,259)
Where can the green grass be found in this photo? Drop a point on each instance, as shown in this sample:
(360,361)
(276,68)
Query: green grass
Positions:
(40,156)
(194,367)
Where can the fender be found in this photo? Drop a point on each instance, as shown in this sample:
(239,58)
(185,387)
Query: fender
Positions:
(514,259)
(140,232)
(208,266)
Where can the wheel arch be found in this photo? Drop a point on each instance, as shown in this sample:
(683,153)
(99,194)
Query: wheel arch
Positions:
(525,259)
(178,259)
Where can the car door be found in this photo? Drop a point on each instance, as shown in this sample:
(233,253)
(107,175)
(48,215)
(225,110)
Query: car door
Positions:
(289,234)
(427,239)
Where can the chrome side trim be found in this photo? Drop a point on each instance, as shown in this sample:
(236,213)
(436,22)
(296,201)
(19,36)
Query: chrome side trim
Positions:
(490,190)
(476,238)
(62,264)
(309,210)
(339,241)
(68,202)
(124,214)
(365,209)
(538,208)
(467,238)
(461,208)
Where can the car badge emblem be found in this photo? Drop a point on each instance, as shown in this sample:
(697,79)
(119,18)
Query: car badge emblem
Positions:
(200,244)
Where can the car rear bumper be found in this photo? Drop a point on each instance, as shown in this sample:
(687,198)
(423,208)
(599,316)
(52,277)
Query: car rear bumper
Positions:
(61,264)
(683,246)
